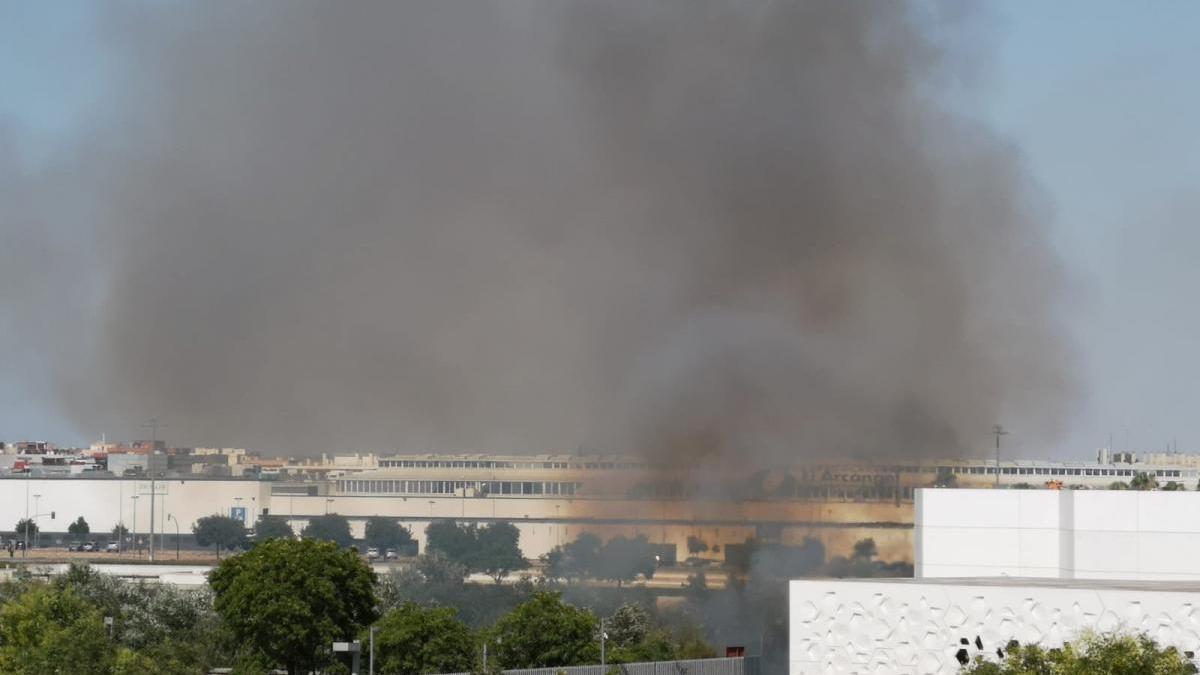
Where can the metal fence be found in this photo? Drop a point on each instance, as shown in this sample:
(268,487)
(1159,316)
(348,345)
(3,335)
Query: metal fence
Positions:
(729,666)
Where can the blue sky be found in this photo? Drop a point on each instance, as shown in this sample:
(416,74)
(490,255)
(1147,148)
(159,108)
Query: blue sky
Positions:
(1101,98)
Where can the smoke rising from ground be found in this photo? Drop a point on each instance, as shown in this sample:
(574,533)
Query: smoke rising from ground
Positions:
(729,232)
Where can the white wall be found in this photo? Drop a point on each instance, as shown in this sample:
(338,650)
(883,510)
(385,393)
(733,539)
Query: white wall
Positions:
(1084,534)
(102,502)
(899,626)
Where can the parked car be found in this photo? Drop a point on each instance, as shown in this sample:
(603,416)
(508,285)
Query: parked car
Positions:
(112,547)
(74,547)
(372,553)
(391,554)
(89,546)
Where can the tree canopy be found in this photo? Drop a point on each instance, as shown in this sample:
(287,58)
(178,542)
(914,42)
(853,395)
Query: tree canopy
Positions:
(220,532)
(292,599)
(546,632)
(497,550)
(49,630)
(385,533)
(1109,654)
(271,527)
(575,560)
(80,526)
(622,559)
(25,524)
(413,640)
(865,549)
(1143,481)
(332,527)
(456,542)
(493,549)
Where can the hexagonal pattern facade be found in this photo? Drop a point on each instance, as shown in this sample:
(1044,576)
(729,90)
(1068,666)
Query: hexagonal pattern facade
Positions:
(854,627)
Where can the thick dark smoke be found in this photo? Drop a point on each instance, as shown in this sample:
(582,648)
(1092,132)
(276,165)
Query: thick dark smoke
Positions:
(736,231)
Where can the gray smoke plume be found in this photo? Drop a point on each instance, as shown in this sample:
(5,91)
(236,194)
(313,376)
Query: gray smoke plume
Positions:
(729,231)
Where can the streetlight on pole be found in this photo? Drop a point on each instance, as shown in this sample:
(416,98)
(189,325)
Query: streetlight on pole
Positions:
(603,639)
(36,510)
(136,546)
(172,517)
(371,658)
(998,431)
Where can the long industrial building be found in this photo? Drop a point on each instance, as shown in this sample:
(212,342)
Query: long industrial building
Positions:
(550,498)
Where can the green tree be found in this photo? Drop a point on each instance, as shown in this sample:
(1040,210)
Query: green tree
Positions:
(385,533)
(271,527)
(292,599)
(498,551)
(436,568)
(456,542)
(945,478)
(576,560)
(331,527)
(545,632)
(696,545)
(220,532)
(865,549)
(1172,486)
(1143,481)
(413,640)
(24,525)
(1110,654)
(79,527)
(623,559)
(49,630)
(1118,485)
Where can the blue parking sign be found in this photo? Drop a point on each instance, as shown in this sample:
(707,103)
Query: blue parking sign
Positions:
(238,513)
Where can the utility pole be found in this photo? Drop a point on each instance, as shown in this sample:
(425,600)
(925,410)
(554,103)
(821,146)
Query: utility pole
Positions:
(998,431)
(603,639)
(153,425)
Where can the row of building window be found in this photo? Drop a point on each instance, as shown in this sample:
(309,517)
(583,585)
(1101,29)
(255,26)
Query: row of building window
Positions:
(449,487)
(497,464)
(1050,471)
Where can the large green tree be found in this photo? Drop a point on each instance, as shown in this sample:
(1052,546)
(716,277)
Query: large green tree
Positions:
(292,599)
(545,632)
(498,550)
(576,560)
(49,631)
(220,532)
(623,559)
(384,533)
(79,528)
(1093,654)
(331,527)
(456,542)
(413,640)
(271,527)
(26,524)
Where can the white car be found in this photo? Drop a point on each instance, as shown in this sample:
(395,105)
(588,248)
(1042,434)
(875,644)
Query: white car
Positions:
(391,554)
(372,553)
(112,547)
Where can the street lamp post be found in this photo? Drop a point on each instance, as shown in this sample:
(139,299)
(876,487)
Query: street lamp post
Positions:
(136,547)
(603,639)
(28,475)
(371,658)
(36,510)
(172,517)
